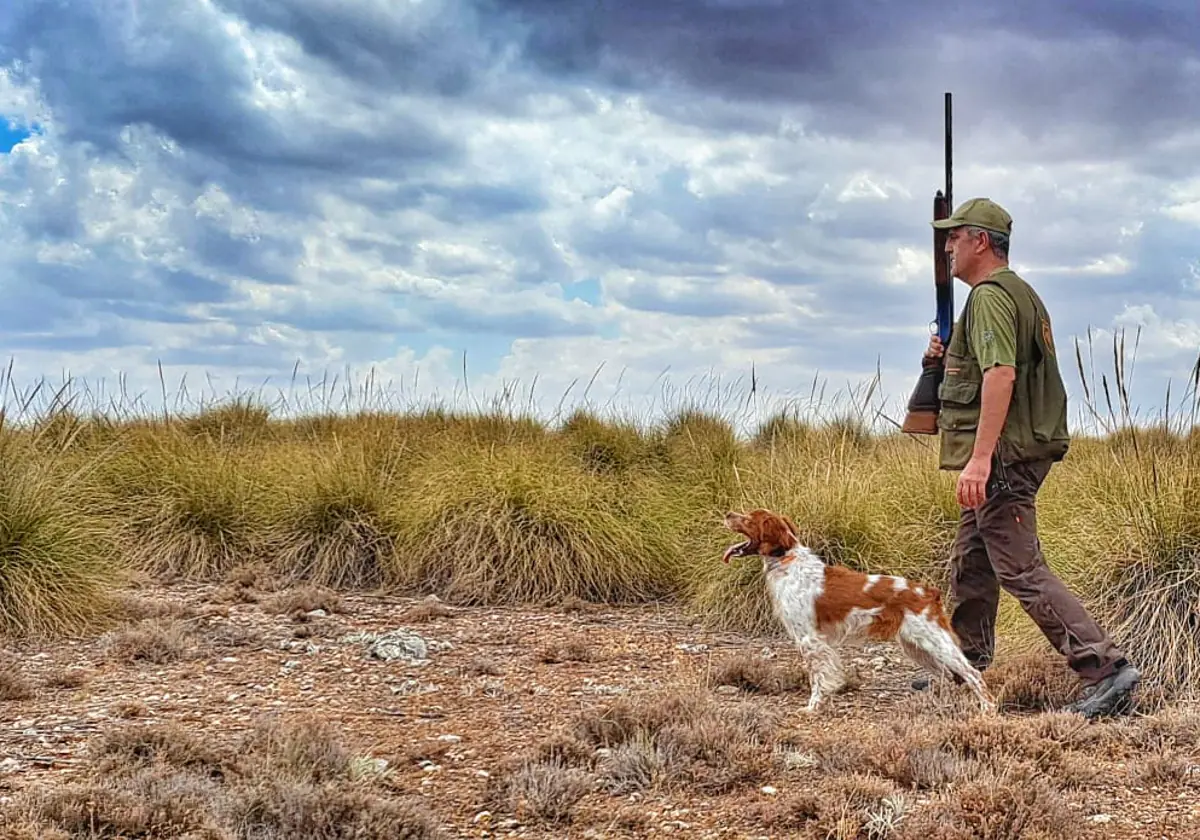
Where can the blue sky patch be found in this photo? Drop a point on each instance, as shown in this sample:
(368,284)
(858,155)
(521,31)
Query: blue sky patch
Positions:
(11,135)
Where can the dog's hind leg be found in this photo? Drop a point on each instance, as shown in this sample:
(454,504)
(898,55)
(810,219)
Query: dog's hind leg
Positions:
(932,647)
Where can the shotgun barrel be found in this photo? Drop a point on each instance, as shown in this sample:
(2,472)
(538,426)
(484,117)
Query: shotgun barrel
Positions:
(924,405)
(941,262)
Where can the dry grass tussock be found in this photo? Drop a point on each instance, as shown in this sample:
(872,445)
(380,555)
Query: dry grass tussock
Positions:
(928,771)
(678,739)
(493,506)
(284,779)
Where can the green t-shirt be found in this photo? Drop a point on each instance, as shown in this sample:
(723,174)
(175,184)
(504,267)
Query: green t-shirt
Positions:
(993,335)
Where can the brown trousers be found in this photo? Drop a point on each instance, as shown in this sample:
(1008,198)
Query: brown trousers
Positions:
(997,546)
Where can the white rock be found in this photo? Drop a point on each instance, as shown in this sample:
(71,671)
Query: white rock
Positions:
(768,790)
(1100,818)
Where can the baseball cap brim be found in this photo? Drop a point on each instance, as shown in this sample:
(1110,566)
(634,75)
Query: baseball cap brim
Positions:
(946,224)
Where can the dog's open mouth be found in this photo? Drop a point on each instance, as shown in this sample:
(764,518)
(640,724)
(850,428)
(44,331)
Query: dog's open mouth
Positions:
(740,550)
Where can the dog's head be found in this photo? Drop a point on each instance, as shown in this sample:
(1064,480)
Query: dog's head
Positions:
(767,534)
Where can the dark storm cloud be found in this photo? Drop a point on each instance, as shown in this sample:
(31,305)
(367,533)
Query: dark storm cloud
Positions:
(434,48)
(266,259)
(44,300)
(104,280)
(867,66)
(171,65)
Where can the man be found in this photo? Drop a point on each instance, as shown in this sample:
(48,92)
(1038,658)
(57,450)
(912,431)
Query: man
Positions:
(1003,423)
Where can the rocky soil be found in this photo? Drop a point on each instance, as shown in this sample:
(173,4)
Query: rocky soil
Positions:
(575,721)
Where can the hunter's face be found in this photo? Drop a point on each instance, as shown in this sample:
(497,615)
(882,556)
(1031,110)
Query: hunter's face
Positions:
(964,250)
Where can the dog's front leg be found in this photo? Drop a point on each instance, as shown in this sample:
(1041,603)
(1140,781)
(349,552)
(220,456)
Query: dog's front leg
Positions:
(824,671)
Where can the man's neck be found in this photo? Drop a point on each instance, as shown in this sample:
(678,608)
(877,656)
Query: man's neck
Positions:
(985,271)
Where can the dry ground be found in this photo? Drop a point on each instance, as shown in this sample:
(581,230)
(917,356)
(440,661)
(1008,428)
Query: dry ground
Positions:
(581,721)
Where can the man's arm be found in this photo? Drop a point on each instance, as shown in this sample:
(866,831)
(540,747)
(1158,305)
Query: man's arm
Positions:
(997,394)
(993,339)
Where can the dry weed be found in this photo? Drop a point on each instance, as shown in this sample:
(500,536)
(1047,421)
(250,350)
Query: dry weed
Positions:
(568,650)
(158,641)
(757,675)
(1009,803)
(1032,683)
(67,678)
(302,600)
(14,685)
(681,739)
(538,790)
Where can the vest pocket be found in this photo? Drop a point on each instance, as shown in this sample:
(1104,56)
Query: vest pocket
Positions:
(958,391)
(959,411)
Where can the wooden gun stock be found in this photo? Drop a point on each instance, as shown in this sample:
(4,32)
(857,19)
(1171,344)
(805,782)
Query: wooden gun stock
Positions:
(924,405)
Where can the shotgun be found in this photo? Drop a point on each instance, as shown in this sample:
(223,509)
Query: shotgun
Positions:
(924,405)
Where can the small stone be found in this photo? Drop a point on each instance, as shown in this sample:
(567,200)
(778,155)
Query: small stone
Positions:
(1100,818)
(768,790)
(482,816)
(450,739)
(727,689)
(316,614)
(9,765)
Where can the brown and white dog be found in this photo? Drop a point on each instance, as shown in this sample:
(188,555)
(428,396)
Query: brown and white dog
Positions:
(821,606)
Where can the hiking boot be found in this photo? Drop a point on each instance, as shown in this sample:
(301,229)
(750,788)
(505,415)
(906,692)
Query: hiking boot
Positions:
(923,682)
(1109,696)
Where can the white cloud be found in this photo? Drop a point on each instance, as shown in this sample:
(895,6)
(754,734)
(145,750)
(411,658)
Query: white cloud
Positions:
(332,185)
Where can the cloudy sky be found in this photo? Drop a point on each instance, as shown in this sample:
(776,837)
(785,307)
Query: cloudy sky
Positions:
(650,196)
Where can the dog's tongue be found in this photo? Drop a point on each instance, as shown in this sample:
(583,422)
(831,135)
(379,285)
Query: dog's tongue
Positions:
(731,551)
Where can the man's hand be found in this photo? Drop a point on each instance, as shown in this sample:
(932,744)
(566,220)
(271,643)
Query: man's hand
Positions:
(935,349)
(972,482)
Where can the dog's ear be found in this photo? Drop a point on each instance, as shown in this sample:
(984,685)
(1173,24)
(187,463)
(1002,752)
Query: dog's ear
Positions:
(792,527)
(777,533)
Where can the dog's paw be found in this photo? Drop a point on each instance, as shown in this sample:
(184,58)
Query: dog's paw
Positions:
(814,707)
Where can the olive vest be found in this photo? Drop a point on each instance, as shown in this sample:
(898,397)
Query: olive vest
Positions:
(1036,425)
